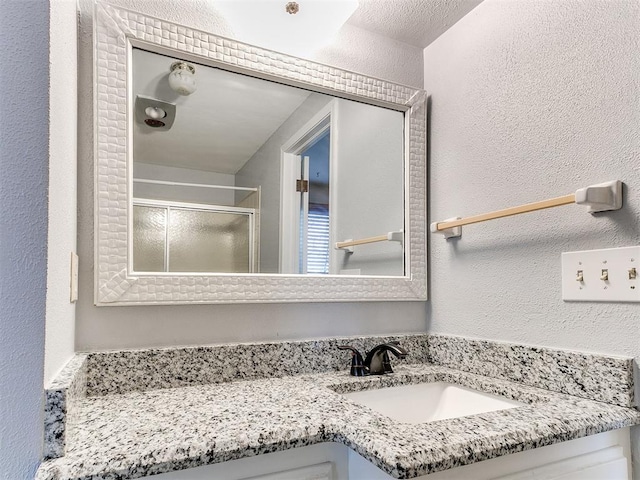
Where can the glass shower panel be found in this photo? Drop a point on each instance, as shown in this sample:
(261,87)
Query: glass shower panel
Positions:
(149,224)
(205,241)
(239,226)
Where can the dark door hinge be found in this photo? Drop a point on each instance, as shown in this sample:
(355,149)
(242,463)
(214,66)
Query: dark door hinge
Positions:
(302,186)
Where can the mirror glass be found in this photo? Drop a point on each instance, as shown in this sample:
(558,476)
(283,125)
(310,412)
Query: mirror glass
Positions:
(237,174)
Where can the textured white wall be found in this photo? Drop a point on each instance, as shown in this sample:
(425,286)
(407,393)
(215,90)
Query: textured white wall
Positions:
(60,320)
(121,327)
(530,100)
(24,76)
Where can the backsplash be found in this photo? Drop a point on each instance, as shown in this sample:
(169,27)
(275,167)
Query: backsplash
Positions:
(70,384)
(596,377)
(141,370)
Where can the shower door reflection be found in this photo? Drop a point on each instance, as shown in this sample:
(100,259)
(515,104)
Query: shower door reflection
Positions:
(192,238)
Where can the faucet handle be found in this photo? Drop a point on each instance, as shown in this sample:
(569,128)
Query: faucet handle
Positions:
(357,364)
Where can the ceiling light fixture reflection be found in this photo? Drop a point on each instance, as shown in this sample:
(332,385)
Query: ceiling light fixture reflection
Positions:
(182,78)
(154,112)
(297,27)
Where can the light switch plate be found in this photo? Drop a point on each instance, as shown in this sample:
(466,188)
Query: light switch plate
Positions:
(74,278)
(607,275)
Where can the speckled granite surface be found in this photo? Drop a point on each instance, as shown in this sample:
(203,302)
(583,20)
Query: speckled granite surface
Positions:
(598,377)
(141,433)
(61,396)
(141,370)
(106,373)
(134,413)
(603,378)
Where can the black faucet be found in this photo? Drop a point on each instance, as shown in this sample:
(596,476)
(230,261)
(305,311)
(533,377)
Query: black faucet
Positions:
(377,360)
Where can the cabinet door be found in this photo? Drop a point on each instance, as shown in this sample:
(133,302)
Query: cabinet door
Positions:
(323,471)
(323,461)
(608,463)
(614,470)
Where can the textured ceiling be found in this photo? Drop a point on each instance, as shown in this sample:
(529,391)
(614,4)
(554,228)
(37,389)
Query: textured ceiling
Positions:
(416,22)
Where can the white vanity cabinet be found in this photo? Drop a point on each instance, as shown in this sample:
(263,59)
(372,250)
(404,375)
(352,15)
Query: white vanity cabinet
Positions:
(603,456)
(597,457)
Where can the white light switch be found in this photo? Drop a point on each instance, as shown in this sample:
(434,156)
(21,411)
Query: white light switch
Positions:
(74,278)
(608,275)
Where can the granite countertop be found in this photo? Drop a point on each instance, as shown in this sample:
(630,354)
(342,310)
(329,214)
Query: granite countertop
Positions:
(134,434)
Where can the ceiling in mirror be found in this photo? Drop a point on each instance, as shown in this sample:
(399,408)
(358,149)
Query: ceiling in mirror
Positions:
(220,126)
(152,194)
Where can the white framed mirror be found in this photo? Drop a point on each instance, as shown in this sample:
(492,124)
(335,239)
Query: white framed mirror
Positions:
(244,185)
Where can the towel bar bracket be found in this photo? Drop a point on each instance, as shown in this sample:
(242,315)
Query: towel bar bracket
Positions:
(453,232)
(602,197)
(348,249)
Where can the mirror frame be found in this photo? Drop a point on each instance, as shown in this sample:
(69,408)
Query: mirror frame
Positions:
(116,32)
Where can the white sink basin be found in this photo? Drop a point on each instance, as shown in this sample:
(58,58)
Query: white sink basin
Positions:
(428,402)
